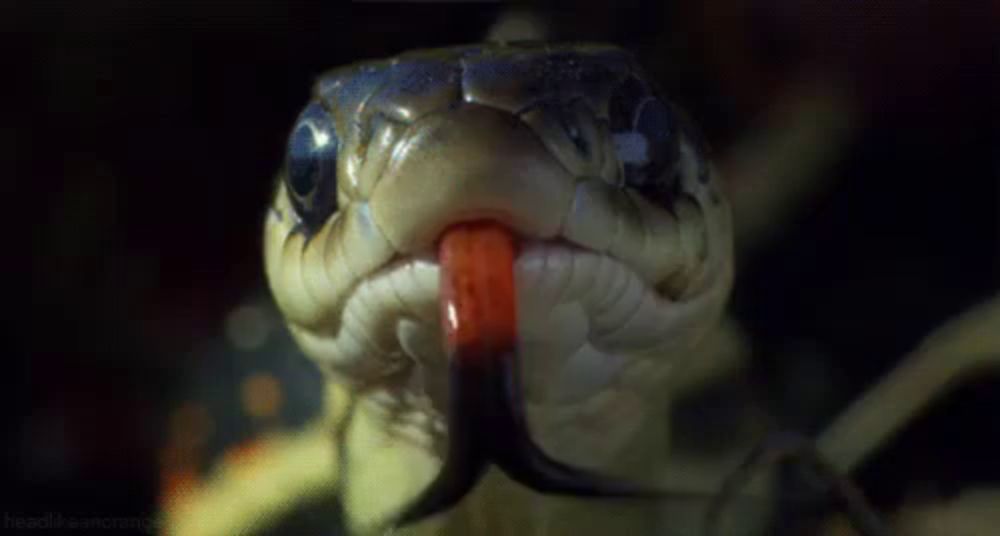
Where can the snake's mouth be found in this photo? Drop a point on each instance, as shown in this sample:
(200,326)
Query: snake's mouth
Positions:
(574,306)
(587,323)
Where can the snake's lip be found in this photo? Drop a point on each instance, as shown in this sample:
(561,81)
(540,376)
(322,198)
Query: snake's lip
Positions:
(352,313)
(590,328)
(390,318)
(671,288)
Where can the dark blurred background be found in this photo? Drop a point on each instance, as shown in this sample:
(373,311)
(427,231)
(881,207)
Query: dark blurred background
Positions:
(141,139)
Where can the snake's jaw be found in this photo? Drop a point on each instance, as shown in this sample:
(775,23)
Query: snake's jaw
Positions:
(614,287)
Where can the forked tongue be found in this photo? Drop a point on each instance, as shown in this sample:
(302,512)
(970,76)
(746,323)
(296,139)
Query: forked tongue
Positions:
(486,420)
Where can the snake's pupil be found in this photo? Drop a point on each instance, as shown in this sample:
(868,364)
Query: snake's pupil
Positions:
(302,176)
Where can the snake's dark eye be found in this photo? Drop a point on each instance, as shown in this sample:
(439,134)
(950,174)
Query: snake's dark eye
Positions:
(645,134)
(311,166)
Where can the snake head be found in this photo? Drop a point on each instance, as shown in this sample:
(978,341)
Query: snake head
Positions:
(624,254)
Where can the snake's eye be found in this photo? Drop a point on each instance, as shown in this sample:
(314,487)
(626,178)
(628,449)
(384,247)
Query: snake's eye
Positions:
(645,135)
(311,166)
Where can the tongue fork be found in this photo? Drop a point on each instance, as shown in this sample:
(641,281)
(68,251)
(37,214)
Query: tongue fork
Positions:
(486,421)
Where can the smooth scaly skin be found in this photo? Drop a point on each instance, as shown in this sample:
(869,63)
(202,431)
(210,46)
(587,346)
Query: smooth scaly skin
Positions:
(614,288)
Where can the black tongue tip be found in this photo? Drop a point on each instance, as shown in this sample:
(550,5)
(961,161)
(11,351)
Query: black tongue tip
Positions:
(487,425)
(528,464)
(523,461)
(457,478)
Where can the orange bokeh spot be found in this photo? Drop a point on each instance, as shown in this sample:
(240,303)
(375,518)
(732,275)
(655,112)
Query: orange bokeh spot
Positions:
(177,486)
(244,453)
(261,395)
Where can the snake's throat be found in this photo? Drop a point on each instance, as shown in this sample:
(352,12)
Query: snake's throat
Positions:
(486,418)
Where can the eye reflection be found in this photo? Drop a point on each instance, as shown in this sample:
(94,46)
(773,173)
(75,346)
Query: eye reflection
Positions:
(647,139)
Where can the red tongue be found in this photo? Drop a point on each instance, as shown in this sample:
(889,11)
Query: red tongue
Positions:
(486,420)
(478,307)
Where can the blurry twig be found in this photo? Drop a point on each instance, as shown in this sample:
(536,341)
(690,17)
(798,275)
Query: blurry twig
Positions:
(291,468)
(963,346)
(786,159)
(974,512)
(793,448)
(967,344)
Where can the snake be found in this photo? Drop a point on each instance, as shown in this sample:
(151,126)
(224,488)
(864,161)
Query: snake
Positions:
(587,198)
